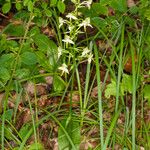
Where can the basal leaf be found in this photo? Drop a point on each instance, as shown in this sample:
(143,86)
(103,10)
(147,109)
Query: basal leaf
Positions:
(127,83)
(146,92)
(61,6)
(6,7)
(48,46)
(58,84)
(28,58)
(73,130)
(14,30)
(6,60)
(4,74)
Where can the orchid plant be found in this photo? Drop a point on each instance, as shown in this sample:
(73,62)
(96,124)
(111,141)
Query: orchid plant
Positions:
(75,24)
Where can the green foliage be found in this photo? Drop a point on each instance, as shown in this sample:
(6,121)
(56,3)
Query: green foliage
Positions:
(29,58)
(14,30)
(61,6)
(58,84)
(125,86)
(73,129)
(48,47)
(6,7)
(146,92)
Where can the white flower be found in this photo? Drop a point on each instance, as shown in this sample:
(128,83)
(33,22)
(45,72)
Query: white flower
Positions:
(74,1)
(86,23)
(71,16)
(59,51)
(90,56)
(64,68)
(87,3)
(71,28)
(85,52)
(68,40)
(61,21)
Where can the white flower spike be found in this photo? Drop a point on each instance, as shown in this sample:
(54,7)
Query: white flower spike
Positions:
(59,51)
(71,16)
(68,40)
(61,22)
(86,23)
(64,68)
(87,3)
(90,56)
(85,52)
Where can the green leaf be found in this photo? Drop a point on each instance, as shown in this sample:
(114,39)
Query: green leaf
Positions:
(30,6)
(6,60)
(99,22)
(36,146)
(48,46)
(14,30)
(110,89)
(22,73)
(73,129)
(28,58)
(43,61)
(18,6)
(24,130)
(4,74)
(127,83)
(6,7)
(25,2)
(58,84)
(61,6)
(48,13)
(100,9)
(146,92)
(44,43)
(120,5)
(53,3)
(9,114)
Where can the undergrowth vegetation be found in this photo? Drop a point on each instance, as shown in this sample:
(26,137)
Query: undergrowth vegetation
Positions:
(75,74)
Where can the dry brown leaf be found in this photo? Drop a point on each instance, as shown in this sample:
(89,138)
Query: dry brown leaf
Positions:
(75,99)
(40,89)
(130,3)
(49,80)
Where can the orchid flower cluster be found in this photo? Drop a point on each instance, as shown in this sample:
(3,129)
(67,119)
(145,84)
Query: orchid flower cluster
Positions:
(75,24)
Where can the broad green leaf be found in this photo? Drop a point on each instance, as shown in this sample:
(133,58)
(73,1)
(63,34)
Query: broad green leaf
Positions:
(99,22)
(22,73)
(36,146)
(25,2)
(110,89)
(44,43)
(43,61)
(127,83)
(120,5)
(73,129)
(18,6)
(100,9)
(6,7)
(53,3)
(30,6)
(24,130)
(146,92)
(48,46)
(14,30)
(9,114)
(28,58)
(4,74)
(6,60)
(48,13)
(61,6)
(58,84)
